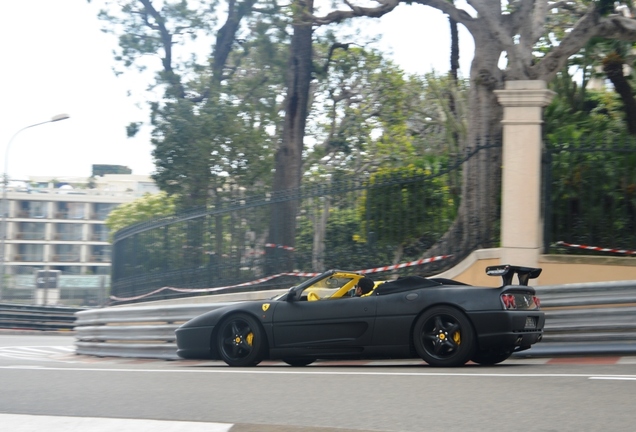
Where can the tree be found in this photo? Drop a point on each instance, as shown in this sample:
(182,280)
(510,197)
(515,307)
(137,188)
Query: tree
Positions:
(420,198)
(288,159)
(368,115)
(513,31)
(217,106)
(149,29)
(143,209)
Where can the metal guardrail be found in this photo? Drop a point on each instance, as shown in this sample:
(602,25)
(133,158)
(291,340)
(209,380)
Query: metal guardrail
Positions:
(587,318)
(46,318)
(139,332)
(590,318)
(589,312)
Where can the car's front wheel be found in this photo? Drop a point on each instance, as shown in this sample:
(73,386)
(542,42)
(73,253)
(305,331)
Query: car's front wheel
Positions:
(241,341)
(443,336)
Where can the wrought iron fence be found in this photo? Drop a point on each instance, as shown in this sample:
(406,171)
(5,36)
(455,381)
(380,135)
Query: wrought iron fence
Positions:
(357,224)
(590,196)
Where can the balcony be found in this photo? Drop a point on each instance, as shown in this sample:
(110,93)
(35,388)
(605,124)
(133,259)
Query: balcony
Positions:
(30,236)
(102,215)
(68,236)
(32,214)
(100,258)
(66,258)
(29,257)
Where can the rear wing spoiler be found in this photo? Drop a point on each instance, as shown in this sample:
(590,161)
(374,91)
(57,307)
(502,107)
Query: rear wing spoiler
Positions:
(507,272)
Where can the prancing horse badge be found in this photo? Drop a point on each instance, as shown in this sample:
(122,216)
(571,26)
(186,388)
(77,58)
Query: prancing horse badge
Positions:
(265,306)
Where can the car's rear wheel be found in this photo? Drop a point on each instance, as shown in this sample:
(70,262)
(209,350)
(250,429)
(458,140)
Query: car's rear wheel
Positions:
(443,336)
(241,341)
(490,358)
(299,361)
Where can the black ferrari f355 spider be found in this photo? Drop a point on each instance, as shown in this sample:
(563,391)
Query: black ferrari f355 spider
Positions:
(444,322)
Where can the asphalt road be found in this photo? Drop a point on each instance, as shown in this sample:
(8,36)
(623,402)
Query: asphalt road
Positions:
(41,376)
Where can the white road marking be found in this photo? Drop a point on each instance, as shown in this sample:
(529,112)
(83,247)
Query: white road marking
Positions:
(37,349)
(259,371)
(40,353)
(30,423)
(619,378)
(59,354)
(24,367)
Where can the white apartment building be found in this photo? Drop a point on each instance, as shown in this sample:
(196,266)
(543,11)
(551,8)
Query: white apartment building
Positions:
(60,225)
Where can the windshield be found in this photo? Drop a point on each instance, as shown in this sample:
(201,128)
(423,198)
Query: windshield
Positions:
(332,287)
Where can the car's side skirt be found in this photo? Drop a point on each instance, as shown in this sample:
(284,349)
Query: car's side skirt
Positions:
(374,352)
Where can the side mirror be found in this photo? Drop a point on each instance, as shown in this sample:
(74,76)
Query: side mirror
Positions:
(292,295)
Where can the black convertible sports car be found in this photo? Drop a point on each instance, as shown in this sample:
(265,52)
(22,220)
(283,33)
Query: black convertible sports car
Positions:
(446,323)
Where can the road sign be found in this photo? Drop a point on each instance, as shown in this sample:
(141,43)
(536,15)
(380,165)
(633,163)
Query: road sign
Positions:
(47,278)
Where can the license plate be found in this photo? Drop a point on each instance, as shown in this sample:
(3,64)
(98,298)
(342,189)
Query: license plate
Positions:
(531,323)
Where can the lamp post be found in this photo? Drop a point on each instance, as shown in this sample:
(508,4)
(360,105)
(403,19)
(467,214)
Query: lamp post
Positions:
(4,208)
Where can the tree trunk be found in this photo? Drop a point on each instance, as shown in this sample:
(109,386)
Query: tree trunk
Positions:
(288,159)
(454,55)
(478,211)
(613,67)
(321,216)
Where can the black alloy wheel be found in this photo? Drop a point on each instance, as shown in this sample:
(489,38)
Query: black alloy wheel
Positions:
(299,361)
(487,358)
(443,336)
(241,341)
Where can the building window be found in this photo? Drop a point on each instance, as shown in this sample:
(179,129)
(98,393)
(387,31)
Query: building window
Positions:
(68,232)
(70,210)
(67,253)
(102,210)
(100,233)
(76,210)
(61,211)
(30,253)
(31,231)
(33,209)
(100,253)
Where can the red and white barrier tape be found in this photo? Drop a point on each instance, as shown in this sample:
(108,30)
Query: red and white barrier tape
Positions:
(277,246)
(596,248)
(408,264)
(268,278)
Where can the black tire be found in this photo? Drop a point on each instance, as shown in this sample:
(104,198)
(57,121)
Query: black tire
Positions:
(299,361)
(488,358)
(443,336)
(241,341)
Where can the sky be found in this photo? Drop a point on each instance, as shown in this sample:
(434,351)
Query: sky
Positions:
(56,60)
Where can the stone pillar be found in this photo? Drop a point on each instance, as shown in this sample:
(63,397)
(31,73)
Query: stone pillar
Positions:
(521,218)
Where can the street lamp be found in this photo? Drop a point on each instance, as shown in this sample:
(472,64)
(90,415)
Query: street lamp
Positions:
(4,205)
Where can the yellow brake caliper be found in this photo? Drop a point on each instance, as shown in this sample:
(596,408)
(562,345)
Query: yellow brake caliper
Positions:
(457,337)
(250,338)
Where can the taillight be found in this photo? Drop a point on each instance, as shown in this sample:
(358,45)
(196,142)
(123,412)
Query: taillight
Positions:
(509,301)
(520,301)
